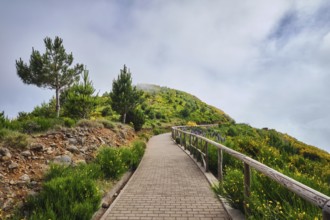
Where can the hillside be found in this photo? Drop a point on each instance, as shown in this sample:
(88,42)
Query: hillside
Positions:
(32,141)
(165,106)
(304,163)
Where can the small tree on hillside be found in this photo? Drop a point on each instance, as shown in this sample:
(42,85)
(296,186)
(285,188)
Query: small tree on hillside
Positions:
(124,96)
(79,101)
(51,69)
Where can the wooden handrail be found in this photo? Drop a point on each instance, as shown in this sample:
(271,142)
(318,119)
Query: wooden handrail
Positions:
(307,193)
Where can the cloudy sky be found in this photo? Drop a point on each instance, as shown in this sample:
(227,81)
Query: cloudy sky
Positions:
(265,63)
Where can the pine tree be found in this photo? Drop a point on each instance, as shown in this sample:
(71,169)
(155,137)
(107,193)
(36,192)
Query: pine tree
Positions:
(79,100)
(124,96)
(51,69)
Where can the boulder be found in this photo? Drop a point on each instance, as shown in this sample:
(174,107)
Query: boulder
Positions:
(37,147)
(9,204)
(13,165)
(63,159)
(81,140)
(4,152)
(73,141)
(26,153)
(26,178)
(73,149)
(101,140)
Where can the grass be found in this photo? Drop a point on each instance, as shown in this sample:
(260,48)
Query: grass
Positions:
(269,200)
(75,192)
(14,139)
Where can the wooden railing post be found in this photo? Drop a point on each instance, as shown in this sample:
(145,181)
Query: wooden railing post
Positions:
(247,185)
(189,148)
(326,211)
(181,137)
(220,163)
(185,142)
(206,157)
(196,146)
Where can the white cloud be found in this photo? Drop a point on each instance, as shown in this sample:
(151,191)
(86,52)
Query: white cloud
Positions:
(241,56)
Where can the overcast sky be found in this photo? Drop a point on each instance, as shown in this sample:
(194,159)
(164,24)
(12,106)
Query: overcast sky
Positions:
(265,63)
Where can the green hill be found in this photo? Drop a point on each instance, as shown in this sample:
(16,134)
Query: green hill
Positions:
(165,106)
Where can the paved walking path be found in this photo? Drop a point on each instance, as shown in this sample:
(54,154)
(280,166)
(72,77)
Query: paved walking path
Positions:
(167,185)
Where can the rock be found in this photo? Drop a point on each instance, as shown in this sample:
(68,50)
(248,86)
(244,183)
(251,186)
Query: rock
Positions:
(68,135)
(26,153)
(81,140)
(49,150)
(64,159)
(33,183)
(25,178)
(13,165)
(37,147)
(105,205)
(12,182)
(122,134)
(5,152)
(92,148)
(73,141)
(5,158)
(9,204)
(101,140)
(83,150)
(53,145)
(73,149)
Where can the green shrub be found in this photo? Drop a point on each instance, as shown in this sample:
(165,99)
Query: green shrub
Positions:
(106,123)
(14,139)
(91,170)
(4,133)
(40,124)
(89,124)
(46,110)
(107,111)
(138,149)
(232,188)
(110,161)
(4,121)
(126,156)
(138,120)
(68,122)
(69,197)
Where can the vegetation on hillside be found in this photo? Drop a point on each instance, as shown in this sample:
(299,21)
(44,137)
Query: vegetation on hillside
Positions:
(68,190)
(304,163)
(74,192)
(163,106)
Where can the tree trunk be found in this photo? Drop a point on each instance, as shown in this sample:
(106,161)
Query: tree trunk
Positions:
(124,118)
(57,102)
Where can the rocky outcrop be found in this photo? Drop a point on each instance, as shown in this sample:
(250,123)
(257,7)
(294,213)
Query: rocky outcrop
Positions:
(22,170)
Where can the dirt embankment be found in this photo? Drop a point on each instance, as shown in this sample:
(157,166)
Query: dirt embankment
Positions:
(22,170)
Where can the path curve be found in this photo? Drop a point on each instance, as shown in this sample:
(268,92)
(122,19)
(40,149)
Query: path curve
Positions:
(166,185)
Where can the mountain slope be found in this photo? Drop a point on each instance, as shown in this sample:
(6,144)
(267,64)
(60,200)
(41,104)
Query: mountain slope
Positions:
(163,105)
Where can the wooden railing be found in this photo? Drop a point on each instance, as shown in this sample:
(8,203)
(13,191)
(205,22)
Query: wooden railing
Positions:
(199,145)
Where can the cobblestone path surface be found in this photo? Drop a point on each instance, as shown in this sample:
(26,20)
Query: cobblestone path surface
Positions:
(167,185)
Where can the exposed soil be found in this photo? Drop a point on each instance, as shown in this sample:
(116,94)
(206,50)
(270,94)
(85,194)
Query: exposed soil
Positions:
(22,170)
